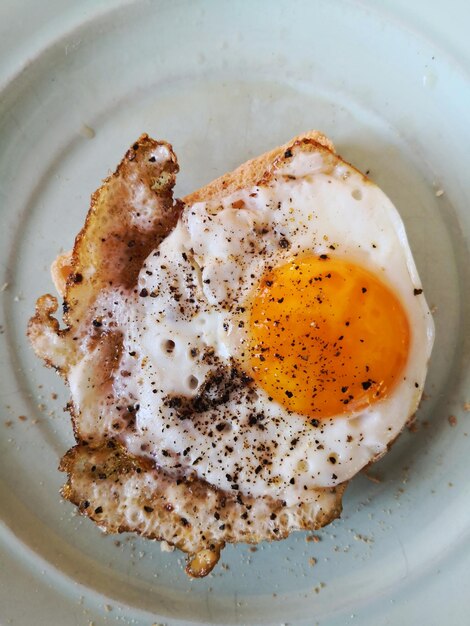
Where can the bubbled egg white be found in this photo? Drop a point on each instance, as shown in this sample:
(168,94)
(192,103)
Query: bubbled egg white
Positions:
(187,327)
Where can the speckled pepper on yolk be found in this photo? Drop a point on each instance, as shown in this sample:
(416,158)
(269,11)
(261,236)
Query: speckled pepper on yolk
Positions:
(327,336)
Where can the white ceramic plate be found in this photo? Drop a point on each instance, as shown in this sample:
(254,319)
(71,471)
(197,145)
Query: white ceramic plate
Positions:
(224,81)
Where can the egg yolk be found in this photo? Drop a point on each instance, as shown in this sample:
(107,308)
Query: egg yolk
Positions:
(327,337)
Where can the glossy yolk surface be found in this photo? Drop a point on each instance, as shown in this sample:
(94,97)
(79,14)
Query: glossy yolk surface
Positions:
(327,337)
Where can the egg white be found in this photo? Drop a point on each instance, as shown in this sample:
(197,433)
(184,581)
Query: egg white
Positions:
(187,321)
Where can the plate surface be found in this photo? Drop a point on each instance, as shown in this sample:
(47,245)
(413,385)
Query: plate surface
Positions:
(224,81)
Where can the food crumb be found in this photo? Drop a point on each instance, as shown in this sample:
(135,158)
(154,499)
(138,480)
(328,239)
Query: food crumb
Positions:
(439,193)
(466,406)
(312,561)
(5,286)
(314,538)
(452,420)
(363,538)
(253,549)
(54,396)
(117,543)
(108,608)
(8,423)
(23,418)
(87,132)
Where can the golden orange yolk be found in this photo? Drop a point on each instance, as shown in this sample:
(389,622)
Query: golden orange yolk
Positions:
(327,337)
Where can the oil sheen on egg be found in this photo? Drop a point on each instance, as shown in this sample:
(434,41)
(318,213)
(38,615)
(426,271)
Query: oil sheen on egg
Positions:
(278,340)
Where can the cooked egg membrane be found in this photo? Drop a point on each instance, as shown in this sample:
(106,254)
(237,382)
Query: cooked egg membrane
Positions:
(186,329)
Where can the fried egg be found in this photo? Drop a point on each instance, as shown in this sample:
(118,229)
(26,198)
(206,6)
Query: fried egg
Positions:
(277,340)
